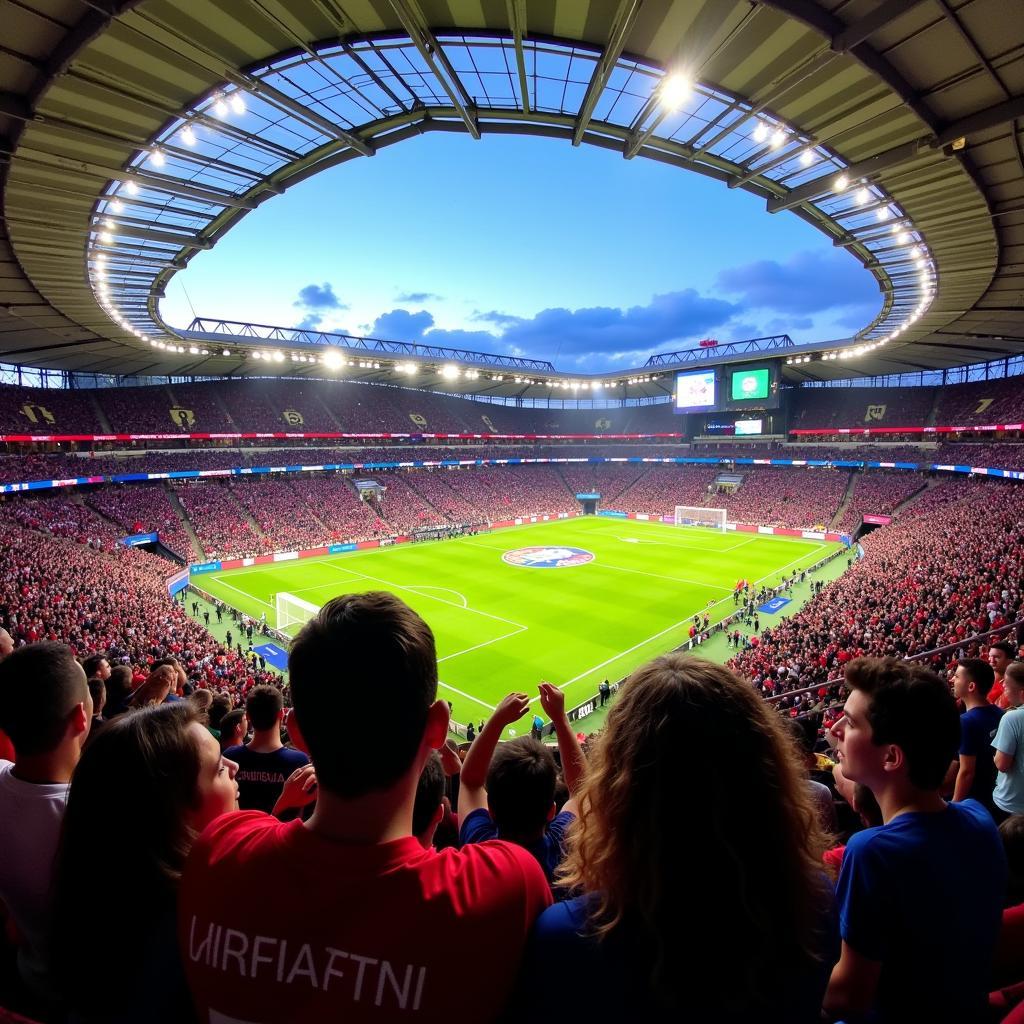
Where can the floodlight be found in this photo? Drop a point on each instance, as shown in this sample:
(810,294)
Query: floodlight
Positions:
(237,102)
(760,132)
(840,183)
(778,138)
(157,157)
(131,188)
(863,197)
(807,157)
(188,135)
(220,106)
(278,356)
(332,359)
(449,372)
(674,91)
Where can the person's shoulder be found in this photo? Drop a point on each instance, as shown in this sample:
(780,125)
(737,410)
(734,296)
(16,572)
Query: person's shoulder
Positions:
(293,757)
(477,827)
(563,920)
(975,815)
(235,752)
(236,836)
(497,870)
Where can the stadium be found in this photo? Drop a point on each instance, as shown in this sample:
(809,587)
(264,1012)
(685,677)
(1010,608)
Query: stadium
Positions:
(512,489)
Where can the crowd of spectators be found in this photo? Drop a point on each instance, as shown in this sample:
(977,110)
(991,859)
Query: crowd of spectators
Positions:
(956,569)
(334,501)
(222,525)
(47,411)
(981,402)
(877,492)
(143,508)
(860,407)
(776,496)
(280,513)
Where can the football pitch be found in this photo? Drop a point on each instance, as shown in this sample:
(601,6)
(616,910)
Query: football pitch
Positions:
(508,623)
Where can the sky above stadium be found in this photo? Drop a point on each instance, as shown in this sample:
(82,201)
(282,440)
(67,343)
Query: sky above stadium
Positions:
(529,247)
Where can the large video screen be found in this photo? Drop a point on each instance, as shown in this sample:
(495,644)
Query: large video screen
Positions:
(750,385)
(749,427)
(696,391)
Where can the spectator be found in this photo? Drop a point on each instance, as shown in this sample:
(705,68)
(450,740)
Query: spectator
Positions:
(264,763)
(976,770)
(1000,656)
(98,693)
(142,791)
(341,879)
(119,691)
(45,708)
(898,735)
(428,809)
(97,666)
(644,863)
(6,644)
(233,729)
(509,792)
(1008,795)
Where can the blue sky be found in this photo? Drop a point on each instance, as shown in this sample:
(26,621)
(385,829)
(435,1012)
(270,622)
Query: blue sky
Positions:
(529,247)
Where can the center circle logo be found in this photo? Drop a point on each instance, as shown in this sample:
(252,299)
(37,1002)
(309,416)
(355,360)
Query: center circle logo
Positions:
(547,558)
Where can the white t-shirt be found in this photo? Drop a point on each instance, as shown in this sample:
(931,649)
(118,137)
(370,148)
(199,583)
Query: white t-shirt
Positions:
(30,818)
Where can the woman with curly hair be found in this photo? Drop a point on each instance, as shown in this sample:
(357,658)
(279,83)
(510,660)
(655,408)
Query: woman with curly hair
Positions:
(695,865)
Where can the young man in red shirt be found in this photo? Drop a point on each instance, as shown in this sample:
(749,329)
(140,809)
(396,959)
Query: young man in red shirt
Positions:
(347,916)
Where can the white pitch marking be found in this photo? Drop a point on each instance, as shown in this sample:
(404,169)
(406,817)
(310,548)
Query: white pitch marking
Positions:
(681,622)
(447,590)
(659,576)
(244,593)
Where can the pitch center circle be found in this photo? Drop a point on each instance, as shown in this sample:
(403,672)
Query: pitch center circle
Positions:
(547,557)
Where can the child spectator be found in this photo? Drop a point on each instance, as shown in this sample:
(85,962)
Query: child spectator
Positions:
(326,942)
(518,801)
(673,917)
(898,735)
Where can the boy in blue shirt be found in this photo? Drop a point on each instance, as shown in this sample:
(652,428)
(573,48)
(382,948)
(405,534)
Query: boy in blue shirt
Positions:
(917,941)
(976,771)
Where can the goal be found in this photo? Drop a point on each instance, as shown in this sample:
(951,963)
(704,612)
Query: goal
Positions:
(291,610)
(690,515)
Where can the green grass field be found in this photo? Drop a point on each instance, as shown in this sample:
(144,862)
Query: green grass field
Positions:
(502,627)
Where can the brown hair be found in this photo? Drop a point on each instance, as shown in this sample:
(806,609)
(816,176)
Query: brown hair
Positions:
(698,833)
(364,658)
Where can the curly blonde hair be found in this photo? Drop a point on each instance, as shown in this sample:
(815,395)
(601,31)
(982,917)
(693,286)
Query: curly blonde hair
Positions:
(697,835)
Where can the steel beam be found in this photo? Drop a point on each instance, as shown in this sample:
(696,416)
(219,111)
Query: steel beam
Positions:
(857,32)
(981,120)
(411,17)
(863,169)
(516,13)
(622,24)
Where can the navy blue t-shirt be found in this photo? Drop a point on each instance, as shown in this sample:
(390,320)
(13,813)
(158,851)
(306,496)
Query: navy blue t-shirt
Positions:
(923,896)
(478,827)
(261,777)
(977,731)
(562,947)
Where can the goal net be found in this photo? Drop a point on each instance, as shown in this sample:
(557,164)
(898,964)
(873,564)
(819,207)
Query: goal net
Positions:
(689,515)
(291,610)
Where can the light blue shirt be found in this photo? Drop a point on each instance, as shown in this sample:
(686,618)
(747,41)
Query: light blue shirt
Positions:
(1009,792)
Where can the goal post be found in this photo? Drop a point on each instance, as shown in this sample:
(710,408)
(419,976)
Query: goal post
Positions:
(695,515)
(290,610)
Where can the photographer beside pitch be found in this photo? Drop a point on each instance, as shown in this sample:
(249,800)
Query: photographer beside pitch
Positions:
(363,918)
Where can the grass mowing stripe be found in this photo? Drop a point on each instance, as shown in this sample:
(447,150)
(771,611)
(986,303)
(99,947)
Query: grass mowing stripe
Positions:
(524,626)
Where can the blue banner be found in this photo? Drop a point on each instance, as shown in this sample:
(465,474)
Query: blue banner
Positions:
(611,512)
(591,496)
(202,567)
(776,604)
(337,549)
(139,538)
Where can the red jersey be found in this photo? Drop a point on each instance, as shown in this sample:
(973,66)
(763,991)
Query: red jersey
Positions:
(278,924)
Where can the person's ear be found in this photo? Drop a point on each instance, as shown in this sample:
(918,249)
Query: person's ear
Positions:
(438,717)
(895,759)
(79,721)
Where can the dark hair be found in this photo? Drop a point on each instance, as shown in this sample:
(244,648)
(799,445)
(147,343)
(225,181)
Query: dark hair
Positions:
(981,673)
(119,685)
(219,707)
(867,805)
(912,708)
(363,658)
(229,723)
(1006,647)
(429,793)
(655,847)
(521,787)
(91,665)
(40,685)
(263,705)
(98,692)
(126,809)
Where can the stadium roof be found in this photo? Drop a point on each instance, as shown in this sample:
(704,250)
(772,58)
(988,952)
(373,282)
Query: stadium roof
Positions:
(135,134)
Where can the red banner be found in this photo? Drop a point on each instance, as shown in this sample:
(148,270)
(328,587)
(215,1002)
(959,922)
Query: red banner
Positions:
(30,438)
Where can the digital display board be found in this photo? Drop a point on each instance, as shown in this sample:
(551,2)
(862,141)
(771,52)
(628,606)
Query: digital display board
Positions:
(749,427)
(750,385)
(696,391)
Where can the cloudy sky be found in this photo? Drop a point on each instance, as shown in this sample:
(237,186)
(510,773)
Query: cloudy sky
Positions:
(527,247)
